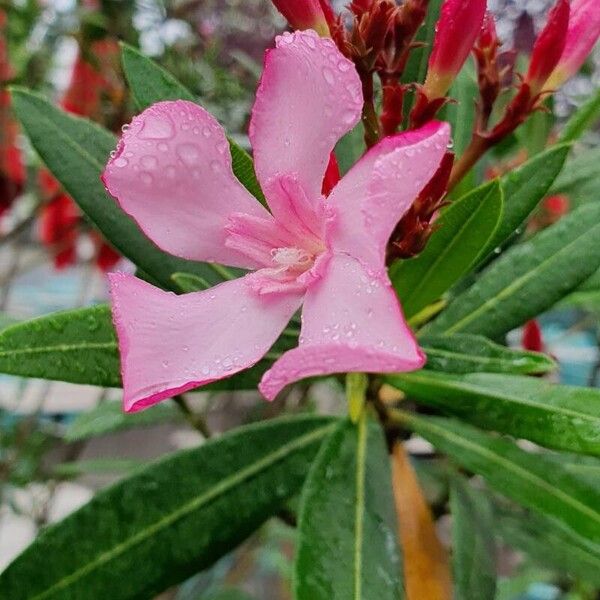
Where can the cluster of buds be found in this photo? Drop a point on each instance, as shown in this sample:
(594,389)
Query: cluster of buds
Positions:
(12,170)
(94,78)
(559,51)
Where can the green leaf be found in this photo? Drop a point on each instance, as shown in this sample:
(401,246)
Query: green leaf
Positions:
(527,478)
(347,528)
(549,543)
(150,83)
(581,171)
(108,417)
(473,545)
(463,231)
(529,279)
(525,187)
(76,150)
(416,67)
(582,119)
(555,416)
(78,346)
(186,282)
(170,520)
(464,353)
(461,113)
(534,133)
(350,148)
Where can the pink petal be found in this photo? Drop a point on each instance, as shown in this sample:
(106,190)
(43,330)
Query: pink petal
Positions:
(351,322)
(309,97)
(374,195)
(170,344)
(172,174)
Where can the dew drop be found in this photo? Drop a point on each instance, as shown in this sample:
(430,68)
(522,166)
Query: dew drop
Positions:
(157,128)
(188,153)
(149,162)
(121,162)
(163,147)
(206,132)
(328,75)
(344,65)
(146,178)
(125,127)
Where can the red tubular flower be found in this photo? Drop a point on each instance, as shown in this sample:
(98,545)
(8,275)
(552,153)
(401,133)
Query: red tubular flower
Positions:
(532,339)
(12,170)
(582,35)
(306,14)
(457,29)
(548,47)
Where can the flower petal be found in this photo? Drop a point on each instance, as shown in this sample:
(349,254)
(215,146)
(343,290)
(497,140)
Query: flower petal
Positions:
(374,195)
(308,98)
(170,344)
(172,173)
(351,322)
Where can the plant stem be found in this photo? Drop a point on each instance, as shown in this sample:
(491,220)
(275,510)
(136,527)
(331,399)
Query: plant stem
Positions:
(475,150)
(195,420)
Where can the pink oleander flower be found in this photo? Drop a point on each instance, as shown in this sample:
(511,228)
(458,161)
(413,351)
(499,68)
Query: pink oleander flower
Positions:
(457,30)
(306,14)
(582,35)
(172,173)
(548,47)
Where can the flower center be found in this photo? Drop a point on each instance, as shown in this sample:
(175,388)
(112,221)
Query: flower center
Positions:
(292,259)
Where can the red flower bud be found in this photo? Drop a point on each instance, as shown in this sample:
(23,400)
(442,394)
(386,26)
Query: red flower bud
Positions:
(456,31)
(582,35)
(306,14)
(548,47)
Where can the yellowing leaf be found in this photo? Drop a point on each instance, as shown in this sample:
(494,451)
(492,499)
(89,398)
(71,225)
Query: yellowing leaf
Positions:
(426,565)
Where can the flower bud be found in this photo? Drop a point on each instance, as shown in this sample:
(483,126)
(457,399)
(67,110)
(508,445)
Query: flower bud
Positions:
(456,31)
(582,35)
(548,47)
(306,14)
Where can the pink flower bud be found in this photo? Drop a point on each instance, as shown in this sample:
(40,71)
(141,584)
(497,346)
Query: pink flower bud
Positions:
(305,14)
(548,47)
(583,33)
(456,31)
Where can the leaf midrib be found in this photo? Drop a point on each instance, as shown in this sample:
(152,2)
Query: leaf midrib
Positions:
(359,512)
(218,490)
(59,348)
(516,284)
(481,359)
(472,388)
(511,466)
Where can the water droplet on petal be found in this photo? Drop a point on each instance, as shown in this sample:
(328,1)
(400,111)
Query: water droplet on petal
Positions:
(188,153)
(157,128)
(121,162)
(328,75)
(149,162)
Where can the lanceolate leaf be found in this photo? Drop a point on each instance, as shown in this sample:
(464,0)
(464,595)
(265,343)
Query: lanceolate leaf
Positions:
(529,279)
(186,282)
(527,478)
(463,353)
(170,520)
(473,548)
(150,83)
(78,346)
(463,231)
(556,416)
(581,171)
(425,560)
(525,187)
(347,530)
(108,417)
(76,150)
(582,119)
(549,543)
